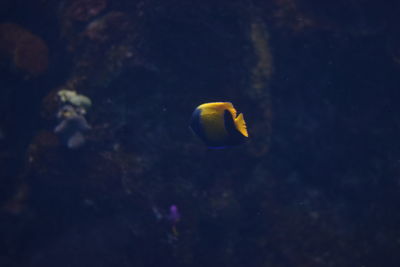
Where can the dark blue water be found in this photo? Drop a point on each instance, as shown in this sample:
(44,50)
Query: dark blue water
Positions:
(316,184)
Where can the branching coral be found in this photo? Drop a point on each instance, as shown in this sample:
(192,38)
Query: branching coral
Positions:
(71,116)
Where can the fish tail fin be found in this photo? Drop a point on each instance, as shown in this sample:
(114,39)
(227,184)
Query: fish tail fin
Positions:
(241,125)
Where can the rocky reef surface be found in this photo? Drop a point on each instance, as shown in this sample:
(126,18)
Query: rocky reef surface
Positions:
(316,185)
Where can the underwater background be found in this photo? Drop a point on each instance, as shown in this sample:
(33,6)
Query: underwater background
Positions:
(98,166)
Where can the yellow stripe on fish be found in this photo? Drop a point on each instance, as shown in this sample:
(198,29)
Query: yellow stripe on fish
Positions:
(217,125)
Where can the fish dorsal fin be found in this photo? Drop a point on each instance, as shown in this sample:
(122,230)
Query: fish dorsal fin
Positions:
(220,106)
(241,125)
(229,106)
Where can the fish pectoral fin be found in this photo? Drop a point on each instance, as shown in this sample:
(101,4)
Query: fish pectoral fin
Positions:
(241,125)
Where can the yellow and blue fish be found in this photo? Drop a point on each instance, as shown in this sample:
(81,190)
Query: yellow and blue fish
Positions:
(217,125)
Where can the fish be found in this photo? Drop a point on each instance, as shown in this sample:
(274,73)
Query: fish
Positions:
(218,125)
(174,217)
